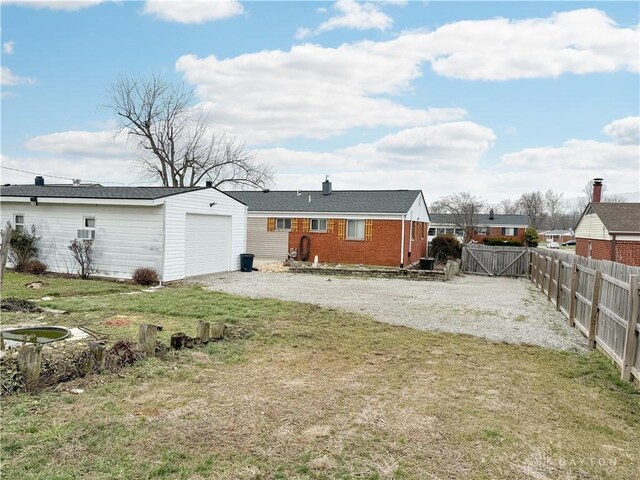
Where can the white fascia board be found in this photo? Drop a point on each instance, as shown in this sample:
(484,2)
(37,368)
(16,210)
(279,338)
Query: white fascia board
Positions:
(349,215)
(86,201)
(478,225)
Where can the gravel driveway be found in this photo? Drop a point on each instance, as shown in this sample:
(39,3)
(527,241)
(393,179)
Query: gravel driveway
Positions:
(500,309)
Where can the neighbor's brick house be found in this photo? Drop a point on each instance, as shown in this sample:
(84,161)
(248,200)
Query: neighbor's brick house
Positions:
(609,231)
(372,227)
(488,225)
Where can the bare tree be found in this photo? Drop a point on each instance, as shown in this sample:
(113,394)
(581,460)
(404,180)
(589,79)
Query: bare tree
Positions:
(82,253)
(585,200)
(464,209)
(614,199)
(508,207)
(178,147)
(554,205)
(532,205)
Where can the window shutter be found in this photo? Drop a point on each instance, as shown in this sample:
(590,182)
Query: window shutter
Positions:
(368,230)
(515,232)
(294,225)
(330,225)
(305,224)
(504,231)
(271,224)
(422,231)
(341,224)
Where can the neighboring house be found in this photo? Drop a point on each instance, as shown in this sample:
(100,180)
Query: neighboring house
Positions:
(178,231)
(374,227)
(485,225)
(610,231)
(559,236)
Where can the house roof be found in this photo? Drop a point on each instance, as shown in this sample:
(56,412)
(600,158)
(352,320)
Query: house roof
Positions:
(616,217)
(482,219)
(556,232)
(111,193)
(339,201)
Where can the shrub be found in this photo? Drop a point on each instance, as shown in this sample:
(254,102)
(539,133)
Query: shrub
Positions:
(35,267)
(446,247)
(502,241)
(82,252)
(531,237)
(23,247)
(145,276)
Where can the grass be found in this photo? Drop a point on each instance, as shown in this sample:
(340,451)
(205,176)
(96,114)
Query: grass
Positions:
(306,392)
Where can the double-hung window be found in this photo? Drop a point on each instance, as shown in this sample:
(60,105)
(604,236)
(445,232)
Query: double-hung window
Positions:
(355,229)
(318,225)
(88,232)
(509,231)
(18,223)
(283,224)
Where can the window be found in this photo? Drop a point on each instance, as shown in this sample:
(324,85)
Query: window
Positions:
(509,231)
(432,232)
(318,225)
(88,232)
(481,230)
(18,223)
(458,232)
(355,229)
(283,224)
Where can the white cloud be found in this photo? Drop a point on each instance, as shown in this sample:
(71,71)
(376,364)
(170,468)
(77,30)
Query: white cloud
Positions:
(625,131)
(79,143)
(352,14)
(66,5)
(8,78)
(193,11)
(7,47)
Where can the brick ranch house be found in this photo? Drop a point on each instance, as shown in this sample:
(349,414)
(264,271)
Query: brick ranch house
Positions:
(372,227)
(609,231)
(486,225)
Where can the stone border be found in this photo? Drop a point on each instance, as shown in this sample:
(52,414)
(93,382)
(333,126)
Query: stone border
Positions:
(424,275)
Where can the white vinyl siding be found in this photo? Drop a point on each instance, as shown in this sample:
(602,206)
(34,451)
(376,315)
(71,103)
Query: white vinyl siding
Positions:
(355,229)
(265,244)
(126,237)
(591,226)
(418,211)
(199,202)
(207,244)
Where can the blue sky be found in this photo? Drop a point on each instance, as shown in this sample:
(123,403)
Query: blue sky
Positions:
(492,98)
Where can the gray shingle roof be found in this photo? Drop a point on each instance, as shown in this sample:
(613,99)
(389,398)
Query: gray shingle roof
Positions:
(482,219)
(341,201)
(115,193)
(617,217)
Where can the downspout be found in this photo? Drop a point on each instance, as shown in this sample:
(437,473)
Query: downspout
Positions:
(402,245)
(613,247)
(410,239)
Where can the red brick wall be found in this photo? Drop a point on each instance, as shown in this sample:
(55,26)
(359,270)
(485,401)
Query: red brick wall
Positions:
(628,252)
(495,232)
(382,249)
(600,249)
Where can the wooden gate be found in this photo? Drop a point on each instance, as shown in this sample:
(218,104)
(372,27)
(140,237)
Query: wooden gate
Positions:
(495,261)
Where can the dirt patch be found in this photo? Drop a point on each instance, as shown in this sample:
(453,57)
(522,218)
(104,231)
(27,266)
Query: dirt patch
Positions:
(18,305)
(36,285)
(118,322)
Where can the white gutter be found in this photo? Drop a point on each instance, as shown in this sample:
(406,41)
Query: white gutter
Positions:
(85,201)
(402,245)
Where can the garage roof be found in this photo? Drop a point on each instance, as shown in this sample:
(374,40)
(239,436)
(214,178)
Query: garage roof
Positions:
(482,219)
(340,201)
(617,217)
(115,193)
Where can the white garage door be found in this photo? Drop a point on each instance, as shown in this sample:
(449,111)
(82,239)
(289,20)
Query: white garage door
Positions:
(208,240)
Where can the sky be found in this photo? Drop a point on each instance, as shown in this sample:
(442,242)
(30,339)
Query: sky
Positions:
(493,98)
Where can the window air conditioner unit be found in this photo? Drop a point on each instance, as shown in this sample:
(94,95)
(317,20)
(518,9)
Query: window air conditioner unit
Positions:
(86,234)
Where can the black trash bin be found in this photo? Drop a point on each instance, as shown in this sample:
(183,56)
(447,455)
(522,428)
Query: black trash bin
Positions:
(426,263)
(246,262)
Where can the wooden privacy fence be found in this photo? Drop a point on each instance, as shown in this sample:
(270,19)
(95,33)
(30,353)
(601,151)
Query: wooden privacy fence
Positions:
(598,297)
(495,260)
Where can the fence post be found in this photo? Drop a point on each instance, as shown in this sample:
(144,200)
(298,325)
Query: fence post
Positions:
(551,272)
(595,298)
(147,338)
(559,284)
(530,264)
(29,365)
(631,343)
(538,258)
(4,250)
(574,287)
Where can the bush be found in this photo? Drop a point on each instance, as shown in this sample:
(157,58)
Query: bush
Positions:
(502,241)
(145,276)
(82,252)
(23,247)
(446,247)
(35,267)
(531,237)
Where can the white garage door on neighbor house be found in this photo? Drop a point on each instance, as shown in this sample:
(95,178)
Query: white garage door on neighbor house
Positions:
(207,242)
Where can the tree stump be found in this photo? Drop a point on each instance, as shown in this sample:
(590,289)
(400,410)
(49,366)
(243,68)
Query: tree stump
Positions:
(189,342)
(29,364)
(98,350)
(147,338)
(217,331)
(203,332)
(178,341)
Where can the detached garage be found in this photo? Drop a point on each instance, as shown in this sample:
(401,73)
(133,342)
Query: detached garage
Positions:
(179,231)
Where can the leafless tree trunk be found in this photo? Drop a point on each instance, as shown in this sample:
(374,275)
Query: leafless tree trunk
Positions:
(509,207)
(464,208)
(178,146)
(554,206)
(532,205)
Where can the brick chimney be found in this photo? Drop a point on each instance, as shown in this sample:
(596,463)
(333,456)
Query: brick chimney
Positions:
(597,190)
